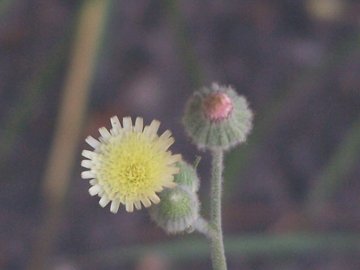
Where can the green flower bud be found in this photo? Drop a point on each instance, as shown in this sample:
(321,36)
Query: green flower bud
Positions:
(187,176)
(217,117)
(177,210)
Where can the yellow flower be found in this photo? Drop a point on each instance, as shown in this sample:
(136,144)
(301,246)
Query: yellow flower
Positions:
(130,164)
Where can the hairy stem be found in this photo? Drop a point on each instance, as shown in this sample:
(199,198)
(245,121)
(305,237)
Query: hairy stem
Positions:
(217,244)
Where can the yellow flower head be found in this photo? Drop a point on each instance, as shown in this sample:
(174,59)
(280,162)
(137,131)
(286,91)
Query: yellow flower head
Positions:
(130,164)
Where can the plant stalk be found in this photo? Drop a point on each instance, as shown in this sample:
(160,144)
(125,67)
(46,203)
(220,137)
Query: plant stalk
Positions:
(217,243)
(57,176)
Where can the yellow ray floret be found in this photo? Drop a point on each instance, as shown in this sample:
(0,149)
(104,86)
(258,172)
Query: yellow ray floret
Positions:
(129,164)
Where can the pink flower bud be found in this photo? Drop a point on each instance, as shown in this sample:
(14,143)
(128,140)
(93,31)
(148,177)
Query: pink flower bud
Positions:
(217,117)
(217,106)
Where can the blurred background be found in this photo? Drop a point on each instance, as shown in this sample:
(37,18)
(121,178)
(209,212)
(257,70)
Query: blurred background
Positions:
(291,193)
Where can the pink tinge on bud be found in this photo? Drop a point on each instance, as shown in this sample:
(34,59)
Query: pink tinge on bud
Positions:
(217,106)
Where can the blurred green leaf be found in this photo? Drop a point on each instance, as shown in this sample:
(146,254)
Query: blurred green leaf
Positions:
(238,159)
(334,174)
(184,43)
(5,5)
(247,245)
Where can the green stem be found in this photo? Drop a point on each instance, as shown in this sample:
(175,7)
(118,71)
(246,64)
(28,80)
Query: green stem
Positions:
(217,244)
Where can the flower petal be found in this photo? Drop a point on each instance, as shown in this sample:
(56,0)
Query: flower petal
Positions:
(115,204)
(92,142)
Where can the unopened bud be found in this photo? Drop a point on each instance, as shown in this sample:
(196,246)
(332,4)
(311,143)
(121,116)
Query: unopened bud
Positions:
(187,176)
(217,117)
(177,210)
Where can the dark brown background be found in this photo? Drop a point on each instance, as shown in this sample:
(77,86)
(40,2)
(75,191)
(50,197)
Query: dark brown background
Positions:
(297,66)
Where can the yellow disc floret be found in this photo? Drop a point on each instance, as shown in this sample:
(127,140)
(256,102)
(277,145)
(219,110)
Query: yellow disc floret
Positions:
(130,164)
